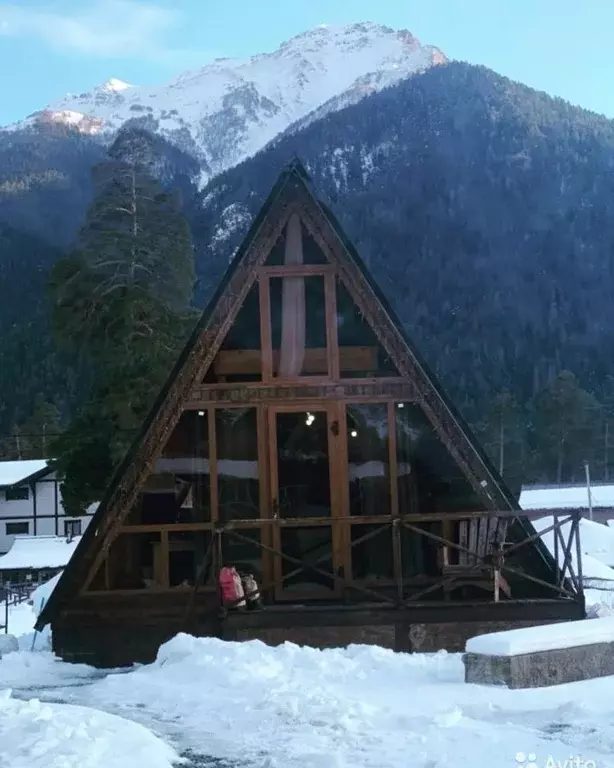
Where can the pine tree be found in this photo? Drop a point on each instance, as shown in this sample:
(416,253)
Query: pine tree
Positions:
(40,430)
(567,424)
(32,438)
(121,302)
(503,434)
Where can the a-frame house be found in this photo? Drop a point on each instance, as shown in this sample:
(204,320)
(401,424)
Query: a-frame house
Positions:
(301,438)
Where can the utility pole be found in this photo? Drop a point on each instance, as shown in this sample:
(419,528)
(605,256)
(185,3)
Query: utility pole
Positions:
(588,490)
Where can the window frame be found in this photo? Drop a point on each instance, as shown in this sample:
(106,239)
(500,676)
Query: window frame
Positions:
(21,523)
(72,522)
(9,493)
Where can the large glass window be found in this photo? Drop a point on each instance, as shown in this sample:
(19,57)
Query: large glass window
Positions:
(360,353)
(303,474)
(368,458)
(237,463)
(240,355)
(136,562)
(189,558)
(178,490)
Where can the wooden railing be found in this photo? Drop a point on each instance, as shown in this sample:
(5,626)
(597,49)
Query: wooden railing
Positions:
(482,559)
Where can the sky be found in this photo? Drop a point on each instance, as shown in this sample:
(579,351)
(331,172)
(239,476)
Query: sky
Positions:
(52,47)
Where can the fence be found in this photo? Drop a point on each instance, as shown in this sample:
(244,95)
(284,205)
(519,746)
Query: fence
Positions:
(11,595)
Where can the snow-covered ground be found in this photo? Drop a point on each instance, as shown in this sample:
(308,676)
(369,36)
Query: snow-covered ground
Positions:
(40,735)
(212,704)
(247,705)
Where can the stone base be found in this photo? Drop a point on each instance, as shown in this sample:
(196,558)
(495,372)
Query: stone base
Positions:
(542,668)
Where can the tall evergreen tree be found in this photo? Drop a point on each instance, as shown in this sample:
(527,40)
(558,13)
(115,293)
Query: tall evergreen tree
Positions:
(503,433)
(40,430)
(32,438)
(121,303)
(567,424)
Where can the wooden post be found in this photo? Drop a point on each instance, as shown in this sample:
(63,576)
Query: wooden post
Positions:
(164,560)
(213,478)
(394,501)
(266,533)
(340,492)
(332,342)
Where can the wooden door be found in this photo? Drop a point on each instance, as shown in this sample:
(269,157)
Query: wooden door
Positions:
(304,501)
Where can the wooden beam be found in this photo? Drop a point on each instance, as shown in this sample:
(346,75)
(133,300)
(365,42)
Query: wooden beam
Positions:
(393,477)
(213,480)
(274,521)
(159,527)
(335,355)
(339,490)
(297,270)
(233,362)
(298,391)
(165,556)
(383,382)
(425,517)
(433,612)
(266,532)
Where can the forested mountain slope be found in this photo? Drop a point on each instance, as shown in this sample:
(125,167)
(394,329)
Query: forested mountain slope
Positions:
(483,208)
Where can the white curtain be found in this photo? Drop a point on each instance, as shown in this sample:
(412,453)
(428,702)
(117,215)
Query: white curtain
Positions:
(293,325)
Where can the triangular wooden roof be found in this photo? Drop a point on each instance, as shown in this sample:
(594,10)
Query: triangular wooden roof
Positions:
(290,194)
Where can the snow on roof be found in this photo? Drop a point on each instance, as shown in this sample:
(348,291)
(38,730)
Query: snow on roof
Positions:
(13,472)
(543,638)
(566,497)
(38,552)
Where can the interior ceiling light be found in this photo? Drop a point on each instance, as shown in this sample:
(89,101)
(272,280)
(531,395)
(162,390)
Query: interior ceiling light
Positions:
(201,413)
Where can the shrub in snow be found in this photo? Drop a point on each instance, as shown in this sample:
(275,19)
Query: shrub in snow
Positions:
(8,644)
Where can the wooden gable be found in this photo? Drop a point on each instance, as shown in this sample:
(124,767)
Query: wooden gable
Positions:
(215,367)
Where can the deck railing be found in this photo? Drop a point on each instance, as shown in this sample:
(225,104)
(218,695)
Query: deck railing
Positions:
(486,561)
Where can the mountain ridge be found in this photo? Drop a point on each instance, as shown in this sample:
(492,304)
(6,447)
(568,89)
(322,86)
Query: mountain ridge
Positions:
(229,109)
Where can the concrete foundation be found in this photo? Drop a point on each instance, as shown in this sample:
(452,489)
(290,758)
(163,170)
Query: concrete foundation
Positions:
(542,668)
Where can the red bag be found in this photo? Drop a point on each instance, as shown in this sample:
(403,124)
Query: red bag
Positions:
(231,587)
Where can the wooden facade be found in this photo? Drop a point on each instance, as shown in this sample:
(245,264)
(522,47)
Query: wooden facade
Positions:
(301,438)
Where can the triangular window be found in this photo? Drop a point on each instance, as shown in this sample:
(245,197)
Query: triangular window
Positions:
(240,355)
(282,252)
(360,353)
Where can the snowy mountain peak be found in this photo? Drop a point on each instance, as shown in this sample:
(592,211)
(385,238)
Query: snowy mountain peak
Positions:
(113,85)
(229,109)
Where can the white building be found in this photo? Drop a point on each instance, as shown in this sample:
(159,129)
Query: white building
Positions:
(31,503)
(36,559)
